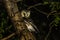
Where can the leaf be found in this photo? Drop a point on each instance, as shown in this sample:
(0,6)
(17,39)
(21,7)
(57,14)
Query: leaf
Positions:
(1,30)
(1,35)
(45,2)
(2,24)
(56,25)
(57,20)
(10,26)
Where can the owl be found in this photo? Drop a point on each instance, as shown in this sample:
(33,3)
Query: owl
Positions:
(28,22)
(25,13)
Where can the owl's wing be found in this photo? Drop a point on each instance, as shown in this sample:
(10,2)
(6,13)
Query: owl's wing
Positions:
(31,27)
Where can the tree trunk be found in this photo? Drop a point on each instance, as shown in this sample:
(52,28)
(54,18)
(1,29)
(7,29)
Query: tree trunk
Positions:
(17,20)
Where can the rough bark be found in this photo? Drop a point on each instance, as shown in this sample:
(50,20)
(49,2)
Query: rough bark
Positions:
(17,20)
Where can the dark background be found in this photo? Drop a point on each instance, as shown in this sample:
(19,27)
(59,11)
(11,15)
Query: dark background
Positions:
(39,19)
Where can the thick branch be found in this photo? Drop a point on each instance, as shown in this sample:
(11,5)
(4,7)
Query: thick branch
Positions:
(17,19)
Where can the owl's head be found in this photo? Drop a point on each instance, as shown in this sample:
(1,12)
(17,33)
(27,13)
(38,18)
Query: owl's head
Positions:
(25,13)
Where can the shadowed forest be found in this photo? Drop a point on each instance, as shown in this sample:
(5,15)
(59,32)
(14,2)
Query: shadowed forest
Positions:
(45,14)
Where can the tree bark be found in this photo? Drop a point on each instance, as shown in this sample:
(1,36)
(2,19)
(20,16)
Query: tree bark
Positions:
(17,20)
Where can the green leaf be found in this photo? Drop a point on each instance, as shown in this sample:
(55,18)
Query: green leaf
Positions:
(45,2)
(10,26)
(1,35)
(1,30)
(56,25)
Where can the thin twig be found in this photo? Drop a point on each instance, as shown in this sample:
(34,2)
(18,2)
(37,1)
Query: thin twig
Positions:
(53,13)
(50,13)
(8,36)
(40,11)
(50,29)
(34,5)
(36,8)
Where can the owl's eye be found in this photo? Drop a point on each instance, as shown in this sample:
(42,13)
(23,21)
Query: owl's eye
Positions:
(25,14)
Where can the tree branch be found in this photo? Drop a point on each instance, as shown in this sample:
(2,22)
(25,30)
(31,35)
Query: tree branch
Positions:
(50,29)
(8,36)
(34,5)
(50,13)
(40,11)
